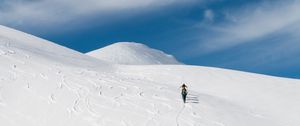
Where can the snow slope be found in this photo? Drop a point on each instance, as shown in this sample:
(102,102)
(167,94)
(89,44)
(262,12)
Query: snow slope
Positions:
(43,84)
(25,45)
(131,53)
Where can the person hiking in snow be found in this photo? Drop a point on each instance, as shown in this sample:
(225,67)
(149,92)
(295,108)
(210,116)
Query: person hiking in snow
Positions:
(184,92)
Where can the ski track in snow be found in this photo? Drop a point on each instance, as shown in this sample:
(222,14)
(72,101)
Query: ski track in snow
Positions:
(178,115)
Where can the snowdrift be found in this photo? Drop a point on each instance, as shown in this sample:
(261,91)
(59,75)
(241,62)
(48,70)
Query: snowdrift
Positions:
(44,84)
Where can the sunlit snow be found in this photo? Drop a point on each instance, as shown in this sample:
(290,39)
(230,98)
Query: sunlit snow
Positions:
(44,84)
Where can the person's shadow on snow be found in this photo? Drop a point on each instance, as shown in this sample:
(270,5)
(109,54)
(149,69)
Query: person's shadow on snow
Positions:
(192,99)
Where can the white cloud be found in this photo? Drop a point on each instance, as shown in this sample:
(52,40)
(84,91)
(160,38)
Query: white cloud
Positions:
(209,15)
(250,25)
(14,12)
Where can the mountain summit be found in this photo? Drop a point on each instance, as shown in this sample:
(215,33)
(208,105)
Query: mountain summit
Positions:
(131,53)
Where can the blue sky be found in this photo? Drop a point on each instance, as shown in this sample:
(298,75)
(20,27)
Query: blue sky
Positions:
(261,36)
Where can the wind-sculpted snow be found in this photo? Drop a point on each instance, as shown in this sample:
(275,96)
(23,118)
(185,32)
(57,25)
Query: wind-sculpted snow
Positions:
(131,53)
(61,87)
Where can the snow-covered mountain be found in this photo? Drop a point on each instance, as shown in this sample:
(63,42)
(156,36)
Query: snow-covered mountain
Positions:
(44,84)
(131,53)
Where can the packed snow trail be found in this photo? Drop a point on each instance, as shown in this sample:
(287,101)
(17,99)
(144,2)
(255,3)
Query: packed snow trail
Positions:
(178,115)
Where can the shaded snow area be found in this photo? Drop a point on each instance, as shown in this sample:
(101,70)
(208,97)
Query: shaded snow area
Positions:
(131,53)
(43,84)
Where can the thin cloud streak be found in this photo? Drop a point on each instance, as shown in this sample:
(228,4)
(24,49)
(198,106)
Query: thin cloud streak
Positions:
(60,11)
(249,26)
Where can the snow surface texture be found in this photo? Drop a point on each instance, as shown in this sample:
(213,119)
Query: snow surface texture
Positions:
(131,53)
(43,84)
